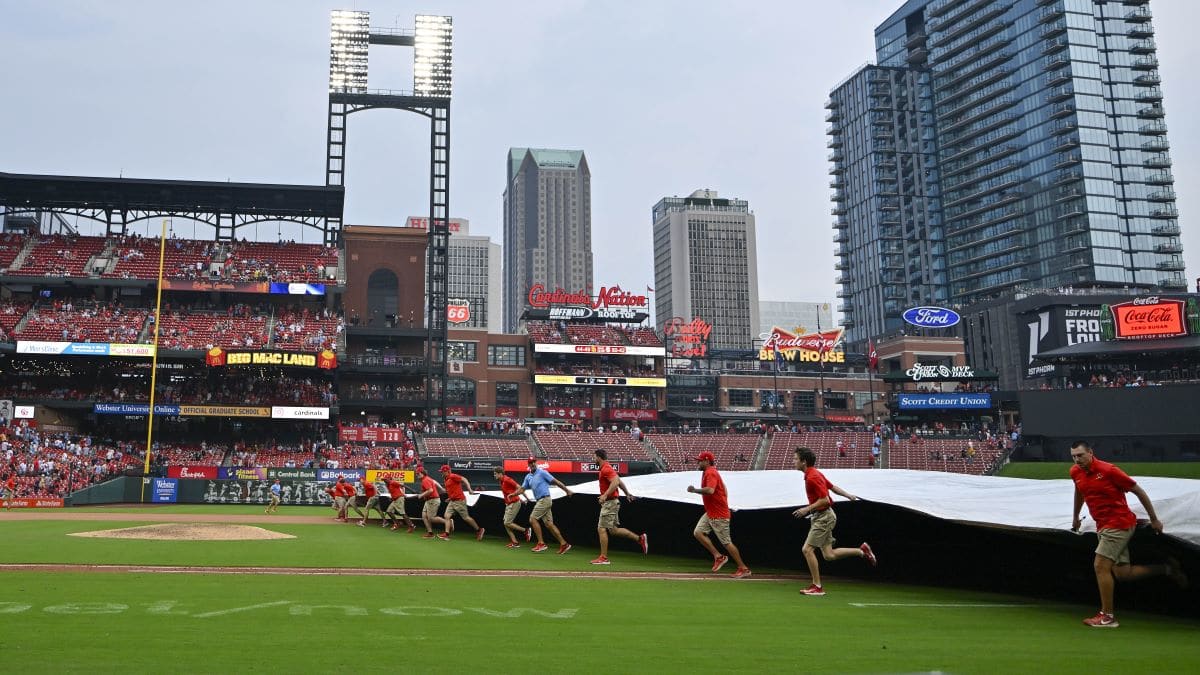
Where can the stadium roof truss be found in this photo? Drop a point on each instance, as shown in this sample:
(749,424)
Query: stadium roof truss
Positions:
(227,207)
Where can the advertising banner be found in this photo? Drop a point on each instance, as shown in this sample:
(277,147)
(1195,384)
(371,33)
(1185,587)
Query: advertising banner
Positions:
(460,410)
(507,411)
(241,473)
(216,357)
(164,490)
(1144,319)
(292,492)
(1055,327)
(599,349)
(223,411)
(281,412)
(565,413)
(689,339)
(381,475)
(284,473)
(331,475)
(371,435)
(192,472)
(845,419)
(24,412)
(32,503)
(562,466)
(285,288)
(630,415)
(594,381)
(134,409)
(83,349)
(809,348)
(947,401)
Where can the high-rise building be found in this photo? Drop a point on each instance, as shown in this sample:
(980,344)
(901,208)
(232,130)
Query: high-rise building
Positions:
(473,276)
(1049,163)
(547,225)
(805,317)
(706,265)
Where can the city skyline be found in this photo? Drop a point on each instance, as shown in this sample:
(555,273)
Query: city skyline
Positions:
(96,105)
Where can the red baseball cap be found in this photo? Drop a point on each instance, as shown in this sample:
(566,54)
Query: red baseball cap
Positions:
(531,460)
(446,468)
(706,457)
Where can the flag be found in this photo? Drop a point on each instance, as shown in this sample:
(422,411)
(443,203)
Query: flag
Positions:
(649,290)
(872,357)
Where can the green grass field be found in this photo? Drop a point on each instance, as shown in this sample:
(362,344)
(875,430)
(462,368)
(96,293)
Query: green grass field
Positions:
(1043,470)
(140,622)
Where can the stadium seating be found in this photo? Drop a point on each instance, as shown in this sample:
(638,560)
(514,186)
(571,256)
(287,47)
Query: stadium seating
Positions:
(510,447)
(303,330)
(542,332)
(642,337)
(64,321)
(781,453)
(679,450)
(10,315)
(579,445)
(202,330)
(61,256)
(10,247)
(585,334)
(137,258)
(279,261)
(941,454)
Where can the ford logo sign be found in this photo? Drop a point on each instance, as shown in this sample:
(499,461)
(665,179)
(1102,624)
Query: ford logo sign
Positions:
(931,317)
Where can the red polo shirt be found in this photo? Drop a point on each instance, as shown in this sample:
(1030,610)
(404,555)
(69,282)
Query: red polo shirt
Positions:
(716,505)
(1103,487)
(428,483)
(395,489)
(369,489)
(454,491)
(509,488)
(608,476)
(816,487)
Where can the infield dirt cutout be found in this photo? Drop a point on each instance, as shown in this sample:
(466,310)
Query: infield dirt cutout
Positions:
(188,532)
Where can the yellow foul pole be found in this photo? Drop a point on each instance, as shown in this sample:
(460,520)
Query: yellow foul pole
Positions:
(162,248)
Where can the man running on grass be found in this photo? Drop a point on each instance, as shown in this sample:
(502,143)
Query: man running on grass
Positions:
(456,503)
(431,501)
(351,494)
(513,498)
(539,480)
(396,505)
(716,516)
(610,507)
(1102,486)
(820,533)
(372,495)
(276,490)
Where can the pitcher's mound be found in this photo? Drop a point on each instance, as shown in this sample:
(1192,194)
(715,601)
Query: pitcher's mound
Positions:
(188,532)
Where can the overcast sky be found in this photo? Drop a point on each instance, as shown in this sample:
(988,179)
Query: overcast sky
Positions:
(664,97)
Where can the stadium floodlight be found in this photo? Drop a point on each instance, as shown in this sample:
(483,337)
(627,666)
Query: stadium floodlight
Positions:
(431,56)
(349,40)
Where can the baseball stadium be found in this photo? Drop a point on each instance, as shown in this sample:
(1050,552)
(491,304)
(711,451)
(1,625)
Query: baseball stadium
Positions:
(312,453)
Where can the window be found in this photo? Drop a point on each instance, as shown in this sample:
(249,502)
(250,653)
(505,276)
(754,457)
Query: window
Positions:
(460,391)
(462,351)
(506,355)
(741,397)
(508,393)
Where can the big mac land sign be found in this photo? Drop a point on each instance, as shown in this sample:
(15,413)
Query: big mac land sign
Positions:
(808,348)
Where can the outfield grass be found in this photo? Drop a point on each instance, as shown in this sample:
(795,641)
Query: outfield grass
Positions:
(212,623)
(1042,470)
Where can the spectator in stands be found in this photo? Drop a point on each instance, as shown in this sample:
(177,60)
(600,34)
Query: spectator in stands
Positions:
(716,516)
(820,533)
(1102,486)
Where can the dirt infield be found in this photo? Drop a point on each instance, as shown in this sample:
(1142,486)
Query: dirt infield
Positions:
(367,571)
(187,532)
(149,515)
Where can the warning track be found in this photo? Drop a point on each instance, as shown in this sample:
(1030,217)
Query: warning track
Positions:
(373,572)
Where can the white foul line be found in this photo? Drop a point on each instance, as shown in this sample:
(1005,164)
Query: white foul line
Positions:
(937,604)
(221,612)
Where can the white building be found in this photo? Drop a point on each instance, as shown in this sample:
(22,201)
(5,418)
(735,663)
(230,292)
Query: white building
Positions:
(801,317)
(706,265)
(474,275)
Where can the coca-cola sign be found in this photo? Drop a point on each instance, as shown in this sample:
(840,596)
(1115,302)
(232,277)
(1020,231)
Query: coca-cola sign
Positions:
(1148,318)
(608,297)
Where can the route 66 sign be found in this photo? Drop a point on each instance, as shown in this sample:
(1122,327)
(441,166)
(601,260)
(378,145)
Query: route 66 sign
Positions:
(458,311)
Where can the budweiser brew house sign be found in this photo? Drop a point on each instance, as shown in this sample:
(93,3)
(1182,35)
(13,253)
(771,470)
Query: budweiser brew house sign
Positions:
(612,303)
(811,347)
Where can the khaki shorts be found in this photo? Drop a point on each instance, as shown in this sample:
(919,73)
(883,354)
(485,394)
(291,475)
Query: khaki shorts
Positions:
(541,511)
(511,511)
(274,499)
(820,533)
(719,527)
(431,507)
(372,503)
(457,507)
(396,508)
(339,503)
(1114,545)
(609,511)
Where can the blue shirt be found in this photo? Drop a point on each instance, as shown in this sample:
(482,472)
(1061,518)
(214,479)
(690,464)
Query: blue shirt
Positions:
(275,488)
(539,481)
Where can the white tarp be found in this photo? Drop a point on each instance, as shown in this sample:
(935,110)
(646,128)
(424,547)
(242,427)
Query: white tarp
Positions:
(985,500)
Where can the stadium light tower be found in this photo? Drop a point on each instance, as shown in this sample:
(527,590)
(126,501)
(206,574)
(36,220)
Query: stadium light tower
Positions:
(350,37)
